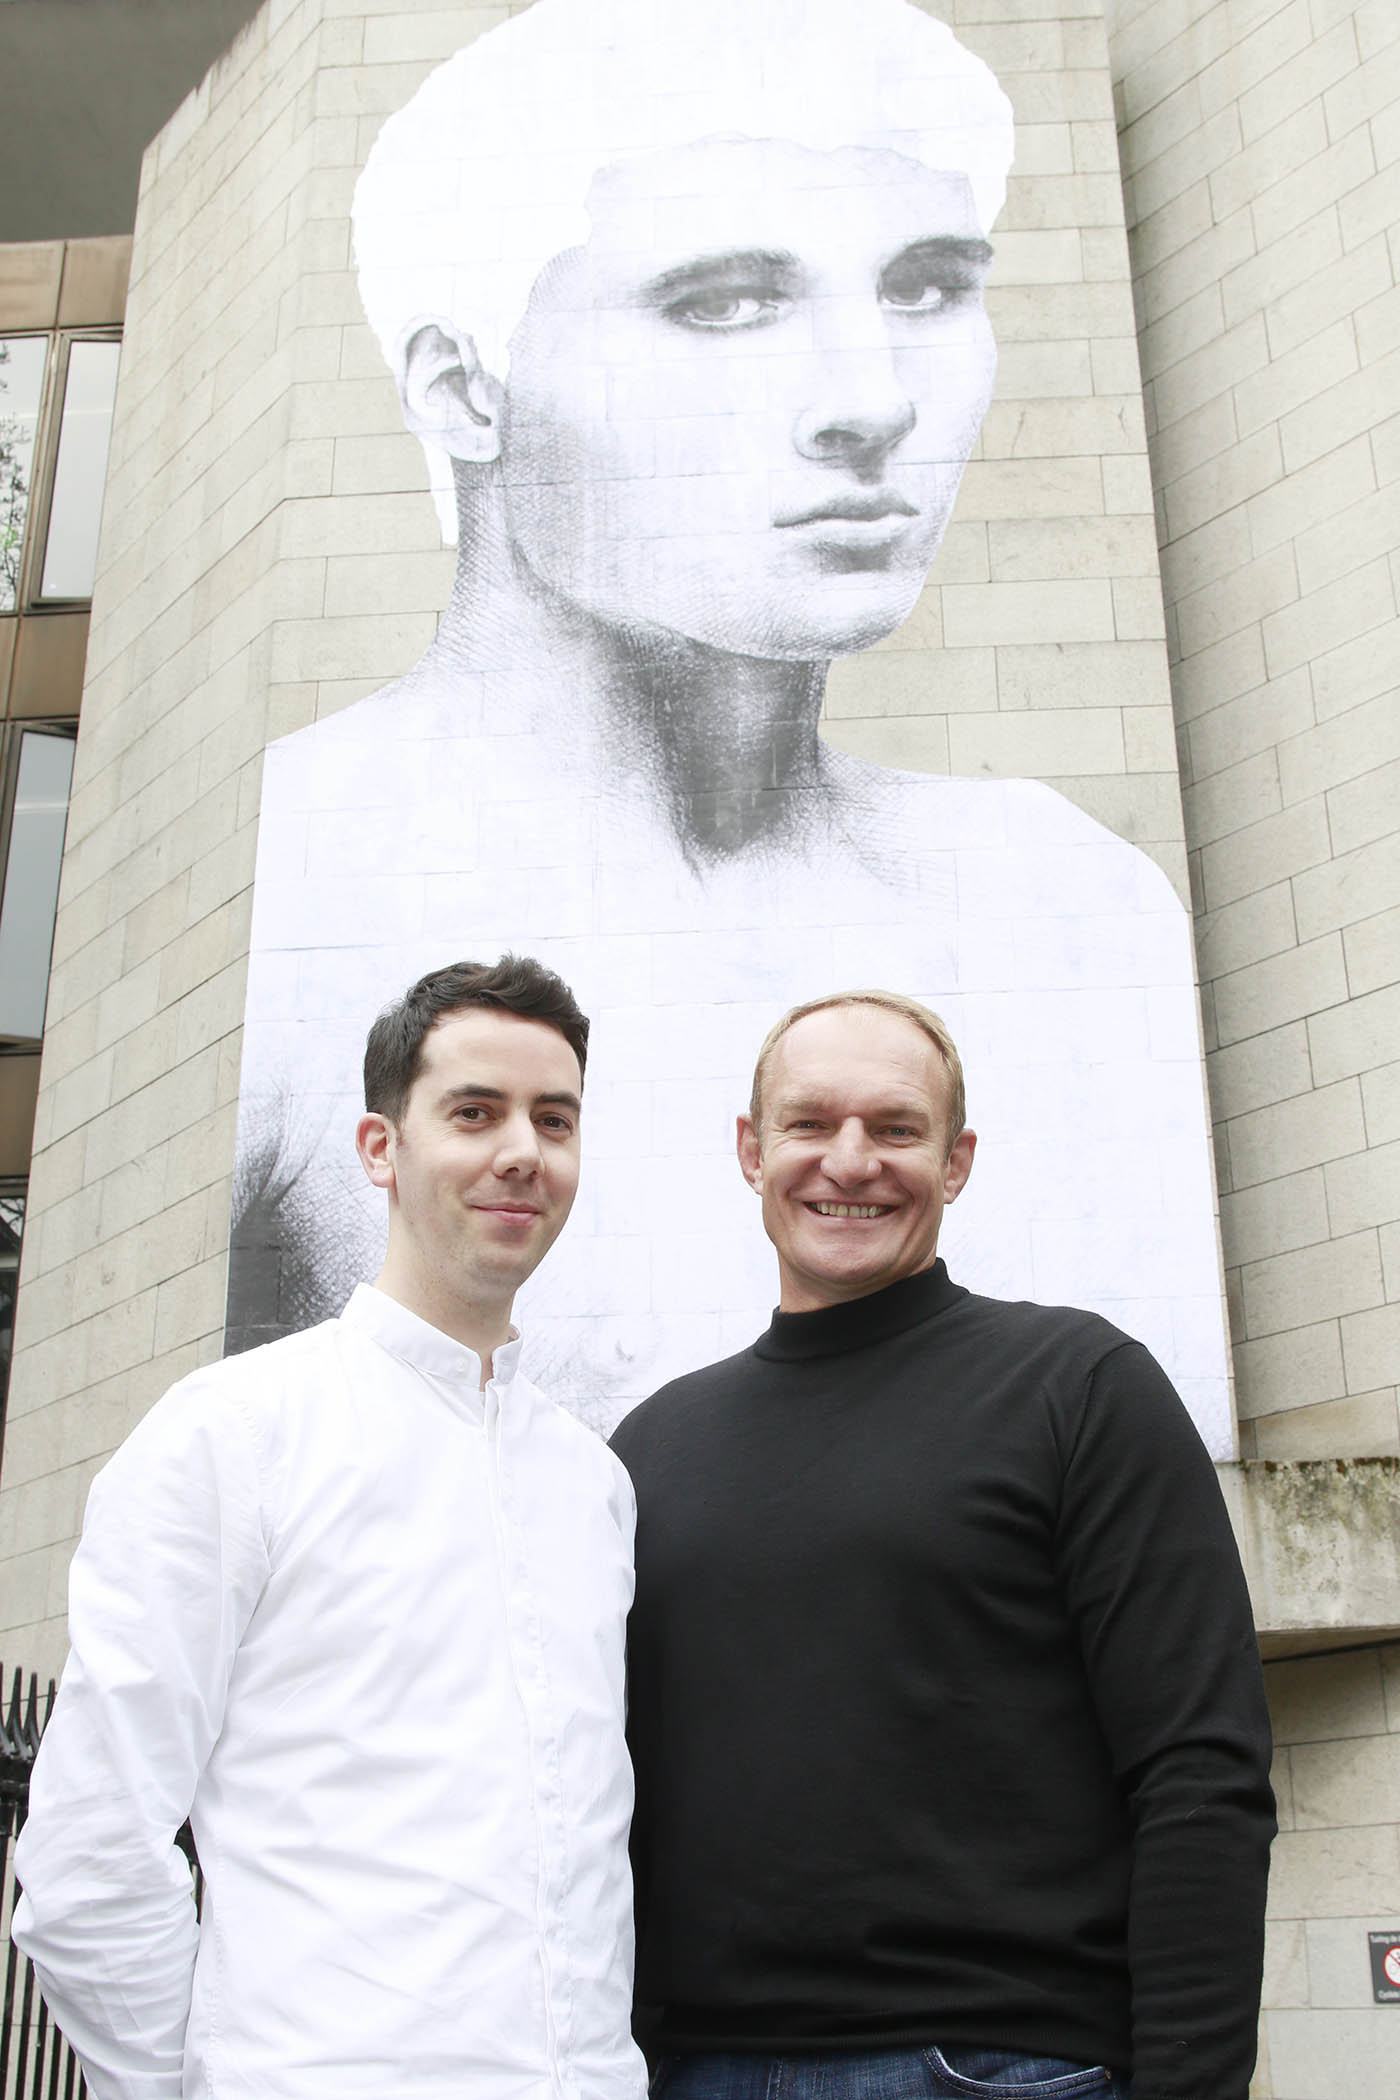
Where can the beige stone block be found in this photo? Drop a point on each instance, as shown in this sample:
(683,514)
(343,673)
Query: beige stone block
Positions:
(1115,367)
(26,1591)
(1340,545)
(1258,1071)
(1327,618)
(1248,931)
(1255,592)
(1182,330)
(1306,1131)
(1348,1783)
(1274,1217)
(1339,1961)
(1341,412)
(1363,1426)
(370,524)
(1323,1282)
(1365,1189)
(1060,97)
(1035,550)
(360,584)
(377,465)
(424,34)
(191,1305)
(1050,202)
(1328,1698)
(1049,149)
(1215,548)
(1298,503)
(1035,371)
(1059,429)
(1149,741)
(1356,1036)
(1334,1873)
(1371,1347)
(1064,611)
(1389,1237)
(1285,1963)
(1380,1095)
(1353,285)
(1228,477)
(1024,489)
(1247,727)
(1230,802)
(1218,256)
(1364,809)
(1127,484)
(1343,748)
(1051,312)
(912,682)
(914,743)
(1378,320)
(1097,675)
(1037,743)
(1178,220)
(1137,609)
(1347,890)
(1304,980)
(1373,951)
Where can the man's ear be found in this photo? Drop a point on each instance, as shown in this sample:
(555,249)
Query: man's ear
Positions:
(447,398)
(374,1141)
(959,1164)
(750,1155)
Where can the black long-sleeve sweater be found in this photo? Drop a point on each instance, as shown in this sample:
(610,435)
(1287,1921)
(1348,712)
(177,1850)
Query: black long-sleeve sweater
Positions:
(944,1699)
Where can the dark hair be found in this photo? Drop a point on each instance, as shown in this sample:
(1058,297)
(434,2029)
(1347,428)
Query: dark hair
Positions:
(517,984)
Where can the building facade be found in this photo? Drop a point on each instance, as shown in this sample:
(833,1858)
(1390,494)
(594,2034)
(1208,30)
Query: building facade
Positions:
(1161,624)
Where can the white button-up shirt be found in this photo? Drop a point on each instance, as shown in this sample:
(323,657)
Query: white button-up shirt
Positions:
(363,1622)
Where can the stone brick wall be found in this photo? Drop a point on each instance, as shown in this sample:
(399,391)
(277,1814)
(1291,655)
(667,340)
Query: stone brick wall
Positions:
(269,556)
(1260,141)
(1335,1876)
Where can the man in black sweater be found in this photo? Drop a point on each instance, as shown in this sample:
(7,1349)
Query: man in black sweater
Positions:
(950,1736)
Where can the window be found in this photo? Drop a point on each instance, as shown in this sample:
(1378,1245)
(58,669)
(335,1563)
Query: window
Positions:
(56,399)
(39,768)
(12,1194)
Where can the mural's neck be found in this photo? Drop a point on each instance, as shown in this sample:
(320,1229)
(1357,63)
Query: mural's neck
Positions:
(721,749)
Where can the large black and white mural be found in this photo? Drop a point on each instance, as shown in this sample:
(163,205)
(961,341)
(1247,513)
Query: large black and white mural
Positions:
(686,307)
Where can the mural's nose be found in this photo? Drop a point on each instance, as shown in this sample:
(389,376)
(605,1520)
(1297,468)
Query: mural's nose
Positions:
(858,409)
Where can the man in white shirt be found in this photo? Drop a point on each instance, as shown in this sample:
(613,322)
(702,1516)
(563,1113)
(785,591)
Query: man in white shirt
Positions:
(354,1603)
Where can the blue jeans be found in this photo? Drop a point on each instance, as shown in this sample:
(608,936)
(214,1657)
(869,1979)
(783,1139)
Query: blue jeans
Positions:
(952,2071)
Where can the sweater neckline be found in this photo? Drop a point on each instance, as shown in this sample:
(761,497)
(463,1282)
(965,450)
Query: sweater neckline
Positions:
(833,1329)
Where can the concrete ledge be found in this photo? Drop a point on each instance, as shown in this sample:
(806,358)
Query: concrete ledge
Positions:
(1320,1540)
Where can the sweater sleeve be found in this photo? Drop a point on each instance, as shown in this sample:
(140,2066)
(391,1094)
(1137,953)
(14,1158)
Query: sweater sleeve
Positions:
(169,1569)
(1152,1579)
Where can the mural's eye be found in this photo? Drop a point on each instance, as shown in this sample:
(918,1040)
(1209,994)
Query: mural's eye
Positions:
(916,284)
(724,306)
(934,275)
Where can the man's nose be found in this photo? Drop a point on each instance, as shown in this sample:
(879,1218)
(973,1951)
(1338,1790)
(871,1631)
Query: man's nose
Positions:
(518,1146)
(850,1157)
(858,407)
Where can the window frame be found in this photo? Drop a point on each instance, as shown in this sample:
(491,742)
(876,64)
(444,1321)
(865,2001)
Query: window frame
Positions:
(46,441)
(12,735)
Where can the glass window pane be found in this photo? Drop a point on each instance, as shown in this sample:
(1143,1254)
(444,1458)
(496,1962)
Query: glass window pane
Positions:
(22,361)
(70,555)
(31,880)
(11,1233)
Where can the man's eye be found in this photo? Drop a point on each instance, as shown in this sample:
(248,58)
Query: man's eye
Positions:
(929,278)
(729,306)
(558,1126)
(471,1112)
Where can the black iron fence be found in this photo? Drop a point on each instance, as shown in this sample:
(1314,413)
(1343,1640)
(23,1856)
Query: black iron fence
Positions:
(36,2062)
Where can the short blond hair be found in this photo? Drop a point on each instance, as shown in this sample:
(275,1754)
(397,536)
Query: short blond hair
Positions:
(923,1018)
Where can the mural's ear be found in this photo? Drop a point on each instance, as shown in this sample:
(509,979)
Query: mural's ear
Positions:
(448,399)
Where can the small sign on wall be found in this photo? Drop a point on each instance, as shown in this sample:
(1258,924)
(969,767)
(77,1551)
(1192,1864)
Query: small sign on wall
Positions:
(1385,1966)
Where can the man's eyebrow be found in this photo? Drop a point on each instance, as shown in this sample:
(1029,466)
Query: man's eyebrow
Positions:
(891,1111)
(704,270)
(468,1091)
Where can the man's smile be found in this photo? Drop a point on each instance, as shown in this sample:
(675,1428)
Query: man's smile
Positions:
(851,1210)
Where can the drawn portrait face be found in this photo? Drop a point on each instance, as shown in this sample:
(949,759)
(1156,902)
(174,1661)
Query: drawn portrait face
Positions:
(742,409)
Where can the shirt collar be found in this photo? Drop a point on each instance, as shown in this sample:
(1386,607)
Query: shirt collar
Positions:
(858,1322)
(427,1348)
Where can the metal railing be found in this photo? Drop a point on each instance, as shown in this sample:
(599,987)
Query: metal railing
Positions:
(36,2062)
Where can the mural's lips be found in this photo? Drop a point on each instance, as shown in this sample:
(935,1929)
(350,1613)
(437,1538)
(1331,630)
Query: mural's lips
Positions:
(873,507)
